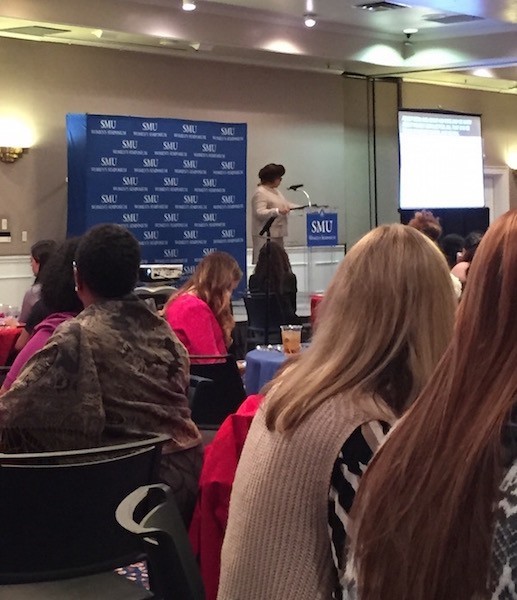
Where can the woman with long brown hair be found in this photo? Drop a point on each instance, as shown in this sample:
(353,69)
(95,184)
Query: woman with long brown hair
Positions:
(200,312)
(426,522)
(383,325)
(273,264)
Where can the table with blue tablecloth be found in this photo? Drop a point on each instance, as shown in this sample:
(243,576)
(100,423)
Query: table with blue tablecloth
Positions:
(261,367)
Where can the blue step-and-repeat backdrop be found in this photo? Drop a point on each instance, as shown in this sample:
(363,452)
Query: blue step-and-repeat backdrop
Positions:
(179,186)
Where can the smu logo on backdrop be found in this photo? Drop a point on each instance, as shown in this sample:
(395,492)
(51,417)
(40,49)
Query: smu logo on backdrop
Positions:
(151,198)
(151,235)
(109,161)
(210,183)
(228,165)
(209,147)
(130,218)
(207,251)
(170,145)
(130,180)
(149,126)
(322,226)
(190,199)
(227,130)
(171,181)
(170,253)
(189,128)
(190,234)
(108,123)
(188,270)
(171,217)
(228,233)
(210,217)
(150,162)
(130,144)
(109,198)
(190,164)
(228,199)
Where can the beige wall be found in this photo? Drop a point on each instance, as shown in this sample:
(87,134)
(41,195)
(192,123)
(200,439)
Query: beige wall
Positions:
(316,124)
(498,122)
(293,117)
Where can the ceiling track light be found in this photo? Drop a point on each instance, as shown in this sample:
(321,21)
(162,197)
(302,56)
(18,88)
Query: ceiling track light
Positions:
(189,5)
(309,19)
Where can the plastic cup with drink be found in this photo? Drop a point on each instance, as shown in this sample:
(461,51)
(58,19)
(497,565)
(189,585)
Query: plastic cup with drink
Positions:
(291,338)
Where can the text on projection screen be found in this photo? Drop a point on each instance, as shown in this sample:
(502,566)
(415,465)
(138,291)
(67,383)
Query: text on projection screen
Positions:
(441,160)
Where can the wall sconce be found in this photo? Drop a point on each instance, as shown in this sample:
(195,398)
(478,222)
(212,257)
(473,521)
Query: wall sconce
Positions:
(15,140)
(10,154)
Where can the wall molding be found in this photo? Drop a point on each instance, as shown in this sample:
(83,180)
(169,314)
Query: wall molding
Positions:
(16,278)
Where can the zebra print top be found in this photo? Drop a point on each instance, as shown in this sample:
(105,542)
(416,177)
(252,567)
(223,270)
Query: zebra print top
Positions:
(350,464)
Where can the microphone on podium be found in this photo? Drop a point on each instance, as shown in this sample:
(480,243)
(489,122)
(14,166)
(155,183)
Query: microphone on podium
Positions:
(295,187)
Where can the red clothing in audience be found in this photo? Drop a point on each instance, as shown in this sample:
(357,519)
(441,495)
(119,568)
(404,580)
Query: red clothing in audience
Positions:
(195,325)
(215,485)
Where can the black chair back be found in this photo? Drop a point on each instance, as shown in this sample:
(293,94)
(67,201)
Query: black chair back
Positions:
(175,573)
(58,510)
(256,308)
(218,392)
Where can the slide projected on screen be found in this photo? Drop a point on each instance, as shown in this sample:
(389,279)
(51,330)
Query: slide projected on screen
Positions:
(441,160)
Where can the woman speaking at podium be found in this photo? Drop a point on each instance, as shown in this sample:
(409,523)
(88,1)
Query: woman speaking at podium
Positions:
(267,202)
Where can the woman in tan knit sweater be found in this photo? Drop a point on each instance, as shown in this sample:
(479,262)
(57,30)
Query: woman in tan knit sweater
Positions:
(385,322)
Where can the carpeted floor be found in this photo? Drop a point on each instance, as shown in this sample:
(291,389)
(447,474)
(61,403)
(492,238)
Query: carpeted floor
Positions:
(136,573)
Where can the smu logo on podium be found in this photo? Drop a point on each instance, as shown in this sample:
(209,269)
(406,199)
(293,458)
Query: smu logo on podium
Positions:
(322,229)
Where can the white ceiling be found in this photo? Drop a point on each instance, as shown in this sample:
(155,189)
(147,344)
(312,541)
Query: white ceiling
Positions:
(271,32)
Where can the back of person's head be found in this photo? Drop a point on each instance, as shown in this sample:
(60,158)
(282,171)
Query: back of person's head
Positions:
(271,173)
(471,245)
(451,245)
(57,281)
(108,259)
(279,265)
(427,223)
(41,252)
(215,277)
(385,321)
(443,463)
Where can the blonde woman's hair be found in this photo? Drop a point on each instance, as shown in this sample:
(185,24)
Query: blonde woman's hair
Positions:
(213,280)
(384,323)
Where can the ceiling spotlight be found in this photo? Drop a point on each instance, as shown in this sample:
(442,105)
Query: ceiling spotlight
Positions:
(407,47)
(410,30)
(309,19)
(189,5)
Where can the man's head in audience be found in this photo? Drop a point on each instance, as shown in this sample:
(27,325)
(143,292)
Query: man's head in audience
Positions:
(107,262)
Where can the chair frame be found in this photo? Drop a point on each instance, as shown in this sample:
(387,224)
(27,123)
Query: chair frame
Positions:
(208,408)
(42,528)
(175,573)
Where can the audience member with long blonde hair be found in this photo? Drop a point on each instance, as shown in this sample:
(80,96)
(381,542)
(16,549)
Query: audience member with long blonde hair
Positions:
(436,513)
(384,324)
(200,312)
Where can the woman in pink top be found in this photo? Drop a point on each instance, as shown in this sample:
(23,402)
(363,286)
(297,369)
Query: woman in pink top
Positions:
(60,304)
(200,312)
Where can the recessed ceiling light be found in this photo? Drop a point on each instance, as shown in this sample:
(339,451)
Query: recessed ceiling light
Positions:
(189,5)
(97,33)
(410,30)
(482,72)
(309,20)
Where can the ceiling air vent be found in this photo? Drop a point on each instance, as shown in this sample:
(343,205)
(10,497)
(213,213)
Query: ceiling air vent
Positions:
(380,6)
(452,19)
(35,30)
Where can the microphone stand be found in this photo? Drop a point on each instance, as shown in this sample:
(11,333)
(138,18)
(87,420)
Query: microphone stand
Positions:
(267,230)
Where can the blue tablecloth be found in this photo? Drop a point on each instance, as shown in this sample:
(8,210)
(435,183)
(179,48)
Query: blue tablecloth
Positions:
(261,366)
